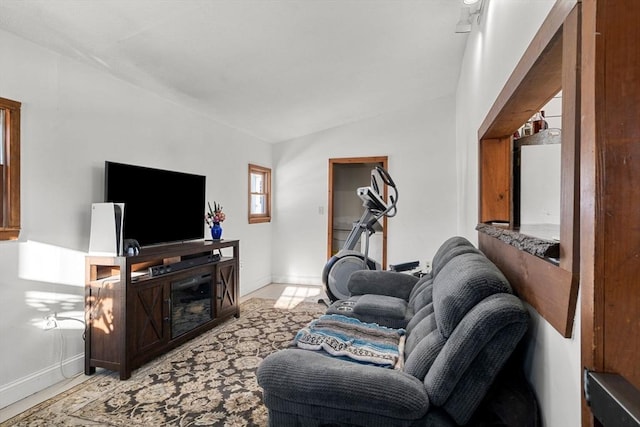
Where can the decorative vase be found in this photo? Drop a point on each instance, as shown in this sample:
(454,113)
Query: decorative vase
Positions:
(216,231)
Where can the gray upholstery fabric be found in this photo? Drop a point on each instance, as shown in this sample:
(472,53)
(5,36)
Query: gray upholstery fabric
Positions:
(417,292)
(423,282)
(418,316)
(440,259)
(315,380)
(424,354)
(447,250)
(386,294)
(378,282)
(423,297)
(466,324)
(419,332)
(463,282)
(395,316)
(451,254)
(474,353)
(384,306)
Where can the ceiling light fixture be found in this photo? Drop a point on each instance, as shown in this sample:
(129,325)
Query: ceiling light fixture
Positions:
(469,9)
(464,23)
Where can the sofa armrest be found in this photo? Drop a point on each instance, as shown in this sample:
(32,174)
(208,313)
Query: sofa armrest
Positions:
(389,283)
(313,378)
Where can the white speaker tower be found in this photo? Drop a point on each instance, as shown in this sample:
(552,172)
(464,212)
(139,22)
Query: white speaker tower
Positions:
(107,221)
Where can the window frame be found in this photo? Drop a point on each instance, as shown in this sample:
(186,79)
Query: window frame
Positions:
(266,172)
(10,172)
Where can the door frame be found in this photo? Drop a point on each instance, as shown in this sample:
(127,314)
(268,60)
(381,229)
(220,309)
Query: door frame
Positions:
(384,160)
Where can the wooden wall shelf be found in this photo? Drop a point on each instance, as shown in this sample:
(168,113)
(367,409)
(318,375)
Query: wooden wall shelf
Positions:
(547,249)
(544,137)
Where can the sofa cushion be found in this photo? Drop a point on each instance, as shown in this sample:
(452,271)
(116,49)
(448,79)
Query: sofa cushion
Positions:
(422,298)
(302,381)
(418,316)
(423,281)
(379,282)
(425,327)
(422,347)
(474,353)
(451,254)
(440,258)
(464,282)
(381,305)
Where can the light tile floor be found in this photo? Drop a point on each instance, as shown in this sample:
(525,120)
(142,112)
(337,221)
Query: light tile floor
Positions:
(286,295)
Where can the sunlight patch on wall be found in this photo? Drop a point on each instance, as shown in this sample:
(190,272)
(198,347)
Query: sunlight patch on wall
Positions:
(51,264)
(56,310)
(49,302)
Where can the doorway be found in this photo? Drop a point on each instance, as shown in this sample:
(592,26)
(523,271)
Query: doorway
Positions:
(345,207)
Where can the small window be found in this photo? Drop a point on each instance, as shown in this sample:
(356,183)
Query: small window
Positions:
(259,194)
(9,169)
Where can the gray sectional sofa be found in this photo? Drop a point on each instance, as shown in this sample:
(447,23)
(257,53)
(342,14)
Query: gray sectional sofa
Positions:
(462,324)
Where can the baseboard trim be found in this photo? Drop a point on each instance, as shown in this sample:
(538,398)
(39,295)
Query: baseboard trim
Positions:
(38,381)
(298,280)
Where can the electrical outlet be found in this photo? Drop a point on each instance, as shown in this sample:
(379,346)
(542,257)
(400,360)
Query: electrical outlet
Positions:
(50,322)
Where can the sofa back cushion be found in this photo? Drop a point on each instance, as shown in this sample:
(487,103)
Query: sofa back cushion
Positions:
(465,281)
(458,342)
(471,358)
(421,294)
(441,257)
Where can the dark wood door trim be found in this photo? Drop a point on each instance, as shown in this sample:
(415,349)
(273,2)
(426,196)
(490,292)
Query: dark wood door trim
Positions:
(355,160)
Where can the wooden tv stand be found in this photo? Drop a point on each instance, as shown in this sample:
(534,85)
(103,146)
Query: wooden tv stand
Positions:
(132,317)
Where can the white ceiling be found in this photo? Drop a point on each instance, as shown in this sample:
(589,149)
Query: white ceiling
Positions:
(276,69)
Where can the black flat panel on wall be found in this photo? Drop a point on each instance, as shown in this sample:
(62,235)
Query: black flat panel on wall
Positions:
(161,206)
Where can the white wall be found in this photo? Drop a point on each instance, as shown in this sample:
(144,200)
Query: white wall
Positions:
(420,144)
(73,119)
(493,50)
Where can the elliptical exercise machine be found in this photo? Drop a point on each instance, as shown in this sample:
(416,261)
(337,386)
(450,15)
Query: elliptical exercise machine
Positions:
(336,272)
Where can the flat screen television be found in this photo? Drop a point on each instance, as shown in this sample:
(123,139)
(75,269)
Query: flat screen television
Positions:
(161,206)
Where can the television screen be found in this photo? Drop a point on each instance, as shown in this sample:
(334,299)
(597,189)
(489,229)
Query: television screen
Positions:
(161,206)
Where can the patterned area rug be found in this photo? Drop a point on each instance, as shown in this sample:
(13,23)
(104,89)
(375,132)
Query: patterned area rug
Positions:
(209,381)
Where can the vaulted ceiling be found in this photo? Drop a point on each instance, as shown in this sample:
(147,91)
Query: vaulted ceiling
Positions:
(276,69)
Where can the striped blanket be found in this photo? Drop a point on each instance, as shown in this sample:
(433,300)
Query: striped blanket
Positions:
(344,336)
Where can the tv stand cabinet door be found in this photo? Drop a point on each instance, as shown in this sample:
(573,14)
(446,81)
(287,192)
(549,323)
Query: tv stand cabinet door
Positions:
(226,289)
(150,315)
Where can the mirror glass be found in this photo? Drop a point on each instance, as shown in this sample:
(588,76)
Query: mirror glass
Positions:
(540,167)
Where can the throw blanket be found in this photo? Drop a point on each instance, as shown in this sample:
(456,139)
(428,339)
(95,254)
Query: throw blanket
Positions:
(345,336)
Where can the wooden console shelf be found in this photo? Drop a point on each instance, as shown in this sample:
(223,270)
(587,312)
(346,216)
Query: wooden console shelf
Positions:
(133,317)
